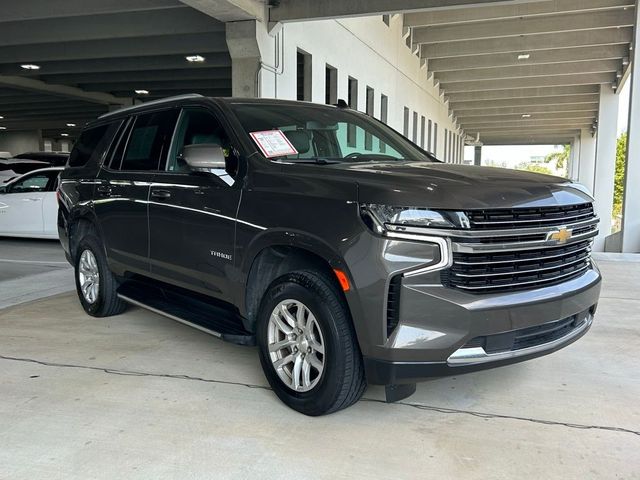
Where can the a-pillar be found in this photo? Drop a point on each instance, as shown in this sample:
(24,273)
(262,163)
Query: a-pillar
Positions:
(605,161)
(631,209)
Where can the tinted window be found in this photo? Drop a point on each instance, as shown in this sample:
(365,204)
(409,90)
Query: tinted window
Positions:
(37,182)
(92,144)
(149,136)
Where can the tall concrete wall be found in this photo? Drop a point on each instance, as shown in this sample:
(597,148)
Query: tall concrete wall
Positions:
(366,49)
(20,142)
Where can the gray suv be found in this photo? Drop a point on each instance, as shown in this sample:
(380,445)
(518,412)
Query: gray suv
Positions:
(348,254)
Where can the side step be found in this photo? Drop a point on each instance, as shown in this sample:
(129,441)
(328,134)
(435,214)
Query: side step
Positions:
(189,310)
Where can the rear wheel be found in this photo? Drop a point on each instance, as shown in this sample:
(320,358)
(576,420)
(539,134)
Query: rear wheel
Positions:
(95,284)
(308,348)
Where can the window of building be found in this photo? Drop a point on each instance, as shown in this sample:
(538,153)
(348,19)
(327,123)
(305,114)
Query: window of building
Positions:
(446,144)
(368,141)
(435,139)
(423,122)
(384,109)
(415,127)
(405,127)
(331,85)
(148,140)
(303,76)
(352,100)
(386,19)
(429,136)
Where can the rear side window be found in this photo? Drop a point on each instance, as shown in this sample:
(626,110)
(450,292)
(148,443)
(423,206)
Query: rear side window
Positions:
(148,140)
(92,144)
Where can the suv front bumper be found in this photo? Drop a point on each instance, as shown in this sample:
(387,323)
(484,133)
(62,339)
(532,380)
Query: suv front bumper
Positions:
(441,330)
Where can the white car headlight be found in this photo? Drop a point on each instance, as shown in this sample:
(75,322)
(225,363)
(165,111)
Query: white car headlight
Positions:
(386,216)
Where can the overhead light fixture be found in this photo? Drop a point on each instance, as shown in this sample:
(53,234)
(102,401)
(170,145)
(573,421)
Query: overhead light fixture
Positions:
(142,92)
(64,134)
(3,128)
(71,124)
(526,115)
(1,117)
(30,66)
(195,58)
(524,56)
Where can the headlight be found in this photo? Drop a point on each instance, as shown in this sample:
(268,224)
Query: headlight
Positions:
(385,215)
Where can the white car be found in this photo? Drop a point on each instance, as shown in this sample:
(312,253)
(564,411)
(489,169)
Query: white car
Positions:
(28,205)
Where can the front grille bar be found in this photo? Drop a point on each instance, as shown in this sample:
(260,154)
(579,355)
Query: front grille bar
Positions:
(529,282)
(519,260)
(518,272)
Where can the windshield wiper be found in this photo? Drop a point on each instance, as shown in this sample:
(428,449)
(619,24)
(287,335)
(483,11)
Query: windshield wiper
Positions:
(313,161)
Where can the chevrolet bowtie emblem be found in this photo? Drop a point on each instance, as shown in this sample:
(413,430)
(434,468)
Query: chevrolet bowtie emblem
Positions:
(560,236)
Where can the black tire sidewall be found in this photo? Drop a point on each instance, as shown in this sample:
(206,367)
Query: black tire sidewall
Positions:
(90,242)
(319,399)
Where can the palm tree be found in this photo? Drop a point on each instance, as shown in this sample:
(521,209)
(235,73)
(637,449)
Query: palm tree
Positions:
(560,158)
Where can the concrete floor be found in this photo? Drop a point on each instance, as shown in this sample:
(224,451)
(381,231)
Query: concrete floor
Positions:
(139,396)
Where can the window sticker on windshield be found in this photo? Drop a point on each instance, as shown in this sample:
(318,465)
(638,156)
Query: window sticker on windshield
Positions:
(273,143)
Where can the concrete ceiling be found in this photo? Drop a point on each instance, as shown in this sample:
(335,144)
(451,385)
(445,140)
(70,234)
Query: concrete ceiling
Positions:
(93,55)
(515,72)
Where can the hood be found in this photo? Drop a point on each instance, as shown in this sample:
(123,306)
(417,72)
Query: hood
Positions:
(447,186)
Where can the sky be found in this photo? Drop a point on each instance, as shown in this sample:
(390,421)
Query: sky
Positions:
(513,155)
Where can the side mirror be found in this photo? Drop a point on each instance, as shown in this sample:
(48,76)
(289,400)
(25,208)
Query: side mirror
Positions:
(204,156)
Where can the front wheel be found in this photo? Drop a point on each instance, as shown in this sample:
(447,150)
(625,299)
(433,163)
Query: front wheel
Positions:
(308,348)
(95,284)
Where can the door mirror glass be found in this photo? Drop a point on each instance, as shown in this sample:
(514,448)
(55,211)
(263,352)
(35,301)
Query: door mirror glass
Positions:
(204,156)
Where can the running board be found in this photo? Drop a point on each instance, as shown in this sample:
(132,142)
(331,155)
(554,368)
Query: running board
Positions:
(189,311)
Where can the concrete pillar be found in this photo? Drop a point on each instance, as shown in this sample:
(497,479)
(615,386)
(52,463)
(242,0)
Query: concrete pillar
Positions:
(587,158)
(605,161)
(574,160)
(631,208)
(477,157)
(245,58)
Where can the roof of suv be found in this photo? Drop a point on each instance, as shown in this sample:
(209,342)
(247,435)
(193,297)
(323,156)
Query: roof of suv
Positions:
(193,96)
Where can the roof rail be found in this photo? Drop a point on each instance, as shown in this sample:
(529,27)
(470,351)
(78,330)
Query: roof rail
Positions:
(152,102)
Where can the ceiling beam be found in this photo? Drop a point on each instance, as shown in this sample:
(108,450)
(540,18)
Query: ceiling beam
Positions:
(532,92)
(230,10)
(532,127)
(555,56)
(42,9)
(524,71)
(524,26)
(121,64)
(528,82)
(107,27)
(177,75)
(523,140)
(33,85)
(527,9)
(528,43)
(296,10)
(489,112)
(186,85)
(505,119)
(570,101)
(118,47)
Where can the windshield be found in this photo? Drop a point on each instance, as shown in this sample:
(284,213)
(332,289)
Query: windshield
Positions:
(320,133)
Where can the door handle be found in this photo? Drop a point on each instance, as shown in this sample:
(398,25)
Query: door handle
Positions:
(161,194)
(104,189)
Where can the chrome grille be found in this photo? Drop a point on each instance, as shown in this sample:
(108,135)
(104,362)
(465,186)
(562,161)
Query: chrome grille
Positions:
(518,270)
(509,250)
(529,217)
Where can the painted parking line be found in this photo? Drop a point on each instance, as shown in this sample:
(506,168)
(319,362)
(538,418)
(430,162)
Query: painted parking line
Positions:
(34,262)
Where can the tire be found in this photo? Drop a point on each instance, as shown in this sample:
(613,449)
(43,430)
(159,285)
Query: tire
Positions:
(104,301)
(340,382)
